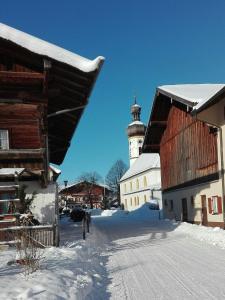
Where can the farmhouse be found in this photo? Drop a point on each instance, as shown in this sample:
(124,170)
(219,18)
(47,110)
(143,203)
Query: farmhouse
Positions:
(186,127)
(44,90)
(85,193)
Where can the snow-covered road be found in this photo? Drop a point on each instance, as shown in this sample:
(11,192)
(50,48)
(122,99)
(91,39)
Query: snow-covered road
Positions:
(153,260)
(126,256)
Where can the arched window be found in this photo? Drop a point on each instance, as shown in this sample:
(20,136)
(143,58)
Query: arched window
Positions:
(137,184)
(145,181)
(131,186)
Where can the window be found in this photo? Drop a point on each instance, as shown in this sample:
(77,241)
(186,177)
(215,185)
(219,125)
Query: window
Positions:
(125,188)
(125,203)
(130,201)
(145,181)
(137,200)
(139,150)
(4,139)
(131,186)
(215,205)
(165,202)
(137,184)
(145,198)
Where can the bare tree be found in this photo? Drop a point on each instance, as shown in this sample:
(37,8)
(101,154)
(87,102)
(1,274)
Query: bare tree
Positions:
(114,175)
(89,179)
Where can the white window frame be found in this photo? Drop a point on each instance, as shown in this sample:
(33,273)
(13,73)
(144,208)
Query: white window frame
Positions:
(214,205)
(4,145)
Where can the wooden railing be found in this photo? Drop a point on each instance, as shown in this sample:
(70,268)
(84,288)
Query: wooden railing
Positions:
(42,235)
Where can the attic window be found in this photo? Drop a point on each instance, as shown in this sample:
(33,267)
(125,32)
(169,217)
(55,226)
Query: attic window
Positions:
(4,139)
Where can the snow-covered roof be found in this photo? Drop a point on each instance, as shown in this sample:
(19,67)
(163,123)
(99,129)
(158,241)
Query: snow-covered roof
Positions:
(44,48)
(54,169)
(83,181)
(144,162)
(195,95)
(11,171)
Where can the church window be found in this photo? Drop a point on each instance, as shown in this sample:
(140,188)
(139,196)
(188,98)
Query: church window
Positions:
(145,181)
(137,184)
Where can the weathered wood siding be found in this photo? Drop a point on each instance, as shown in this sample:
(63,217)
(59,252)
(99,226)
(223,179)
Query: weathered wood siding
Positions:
(187,150)
(23,122)
(26,141)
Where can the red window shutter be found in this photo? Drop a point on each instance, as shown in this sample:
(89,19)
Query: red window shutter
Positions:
(210,205)
(219,205)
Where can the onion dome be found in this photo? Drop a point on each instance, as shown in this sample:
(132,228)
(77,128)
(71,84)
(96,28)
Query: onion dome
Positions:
(136,127)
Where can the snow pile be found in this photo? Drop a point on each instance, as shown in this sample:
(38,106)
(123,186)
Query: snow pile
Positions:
(110,212)
(140,213)
(214,236)
(68,272)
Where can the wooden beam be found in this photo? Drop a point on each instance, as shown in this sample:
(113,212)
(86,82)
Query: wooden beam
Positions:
(24,96)
(69,83)
(86,77)
(15,75)
(71,91)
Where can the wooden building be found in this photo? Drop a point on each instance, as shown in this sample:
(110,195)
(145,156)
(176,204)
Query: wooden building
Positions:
(44,90)
(85,193)
(186,134)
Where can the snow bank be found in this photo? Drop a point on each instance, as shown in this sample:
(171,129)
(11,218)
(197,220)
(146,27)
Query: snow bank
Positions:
(68,272)
(110,212)
(140,213)
(214,236)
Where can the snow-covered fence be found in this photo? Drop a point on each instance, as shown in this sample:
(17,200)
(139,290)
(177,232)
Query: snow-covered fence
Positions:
(41,235)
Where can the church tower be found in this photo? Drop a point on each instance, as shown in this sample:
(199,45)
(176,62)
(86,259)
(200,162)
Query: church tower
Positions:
(136,133)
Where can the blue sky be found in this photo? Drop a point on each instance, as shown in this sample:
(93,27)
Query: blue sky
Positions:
(145,43)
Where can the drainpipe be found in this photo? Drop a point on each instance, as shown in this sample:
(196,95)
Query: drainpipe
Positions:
(221,158)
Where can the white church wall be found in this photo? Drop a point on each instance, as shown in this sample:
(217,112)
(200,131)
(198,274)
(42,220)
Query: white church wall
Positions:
(137,190)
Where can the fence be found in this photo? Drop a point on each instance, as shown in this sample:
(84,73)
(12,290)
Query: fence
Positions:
(41,235)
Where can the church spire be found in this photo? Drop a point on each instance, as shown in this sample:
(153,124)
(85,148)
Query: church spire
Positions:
(135,132)
(136,110)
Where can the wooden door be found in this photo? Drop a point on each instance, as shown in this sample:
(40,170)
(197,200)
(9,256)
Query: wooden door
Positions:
(184,210)
(204,211)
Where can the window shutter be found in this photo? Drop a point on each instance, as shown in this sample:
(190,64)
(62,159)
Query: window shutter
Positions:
(210,205)
(219,205)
